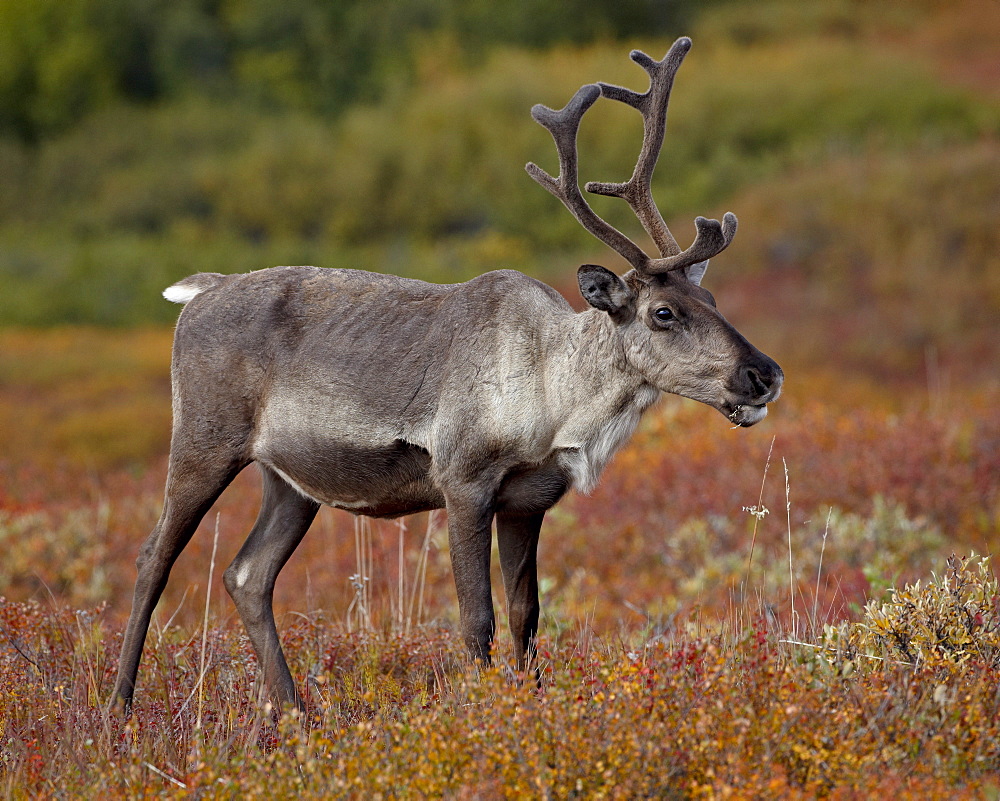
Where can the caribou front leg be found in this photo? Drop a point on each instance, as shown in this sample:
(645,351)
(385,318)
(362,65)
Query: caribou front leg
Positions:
(470,524)
(517,538)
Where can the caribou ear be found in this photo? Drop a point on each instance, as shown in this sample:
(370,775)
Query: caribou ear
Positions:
(695,272)
(604,290)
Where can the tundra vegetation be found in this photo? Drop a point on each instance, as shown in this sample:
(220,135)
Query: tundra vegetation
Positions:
(773,611)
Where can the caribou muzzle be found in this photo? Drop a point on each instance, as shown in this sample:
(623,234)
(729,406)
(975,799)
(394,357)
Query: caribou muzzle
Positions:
(757,385)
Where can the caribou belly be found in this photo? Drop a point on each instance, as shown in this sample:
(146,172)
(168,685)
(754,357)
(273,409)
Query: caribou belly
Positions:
(376,481)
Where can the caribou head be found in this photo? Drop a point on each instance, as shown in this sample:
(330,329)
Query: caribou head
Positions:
(385,396)
(670,327)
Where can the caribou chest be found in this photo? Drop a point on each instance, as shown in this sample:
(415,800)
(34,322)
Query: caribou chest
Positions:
(584,454)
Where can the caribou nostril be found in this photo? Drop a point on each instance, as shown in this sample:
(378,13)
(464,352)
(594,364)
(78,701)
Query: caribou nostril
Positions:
(759,385)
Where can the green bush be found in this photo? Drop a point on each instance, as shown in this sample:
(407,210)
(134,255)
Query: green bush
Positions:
(429,181)
(953,617)
(62,59)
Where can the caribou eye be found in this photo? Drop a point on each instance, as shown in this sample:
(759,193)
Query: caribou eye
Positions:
(664,315)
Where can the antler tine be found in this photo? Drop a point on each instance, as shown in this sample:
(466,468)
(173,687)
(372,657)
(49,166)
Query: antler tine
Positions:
(713,237)
(653,107)
(563,125)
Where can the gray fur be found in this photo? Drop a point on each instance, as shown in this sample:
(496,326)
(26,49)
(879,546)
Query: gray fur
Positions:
(387,396)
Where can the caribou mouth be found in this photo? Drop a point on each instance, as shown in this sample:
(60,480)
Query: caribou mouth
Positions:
(746,415)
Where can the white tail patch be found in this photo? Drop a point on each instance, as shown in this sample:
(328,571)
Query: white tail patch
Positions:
(179,293)
(189,288)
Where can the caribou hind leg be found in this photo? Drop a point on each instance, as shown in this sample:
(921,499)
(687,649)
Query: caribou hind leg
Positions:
(284,518)
(192,487)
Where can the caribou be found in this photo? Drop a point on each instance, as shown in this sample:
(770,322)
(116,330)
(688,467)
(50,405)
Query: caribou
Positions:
(386,396)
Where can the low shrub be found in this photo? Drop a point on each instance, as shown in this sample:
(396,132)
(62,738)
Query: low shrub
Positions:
(951,618)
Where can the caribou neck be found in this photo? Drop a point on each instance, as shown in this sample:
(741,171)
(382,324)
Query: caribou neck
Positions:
(596,396)
(598,372)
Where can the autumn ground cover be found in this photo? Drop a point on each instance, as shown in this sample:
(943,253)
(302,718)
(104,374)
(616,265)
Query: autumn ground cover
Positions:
(674,662)
(775,612)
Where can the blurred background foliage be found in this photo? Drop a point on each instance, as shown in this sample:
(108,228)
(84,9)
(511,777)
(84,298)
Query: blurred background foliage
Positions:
(144,140)
(63,60)
(858,141)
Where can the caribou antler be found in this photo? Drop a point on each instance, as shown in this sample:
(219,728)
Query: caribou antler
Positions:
(563,125)
(713,237)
